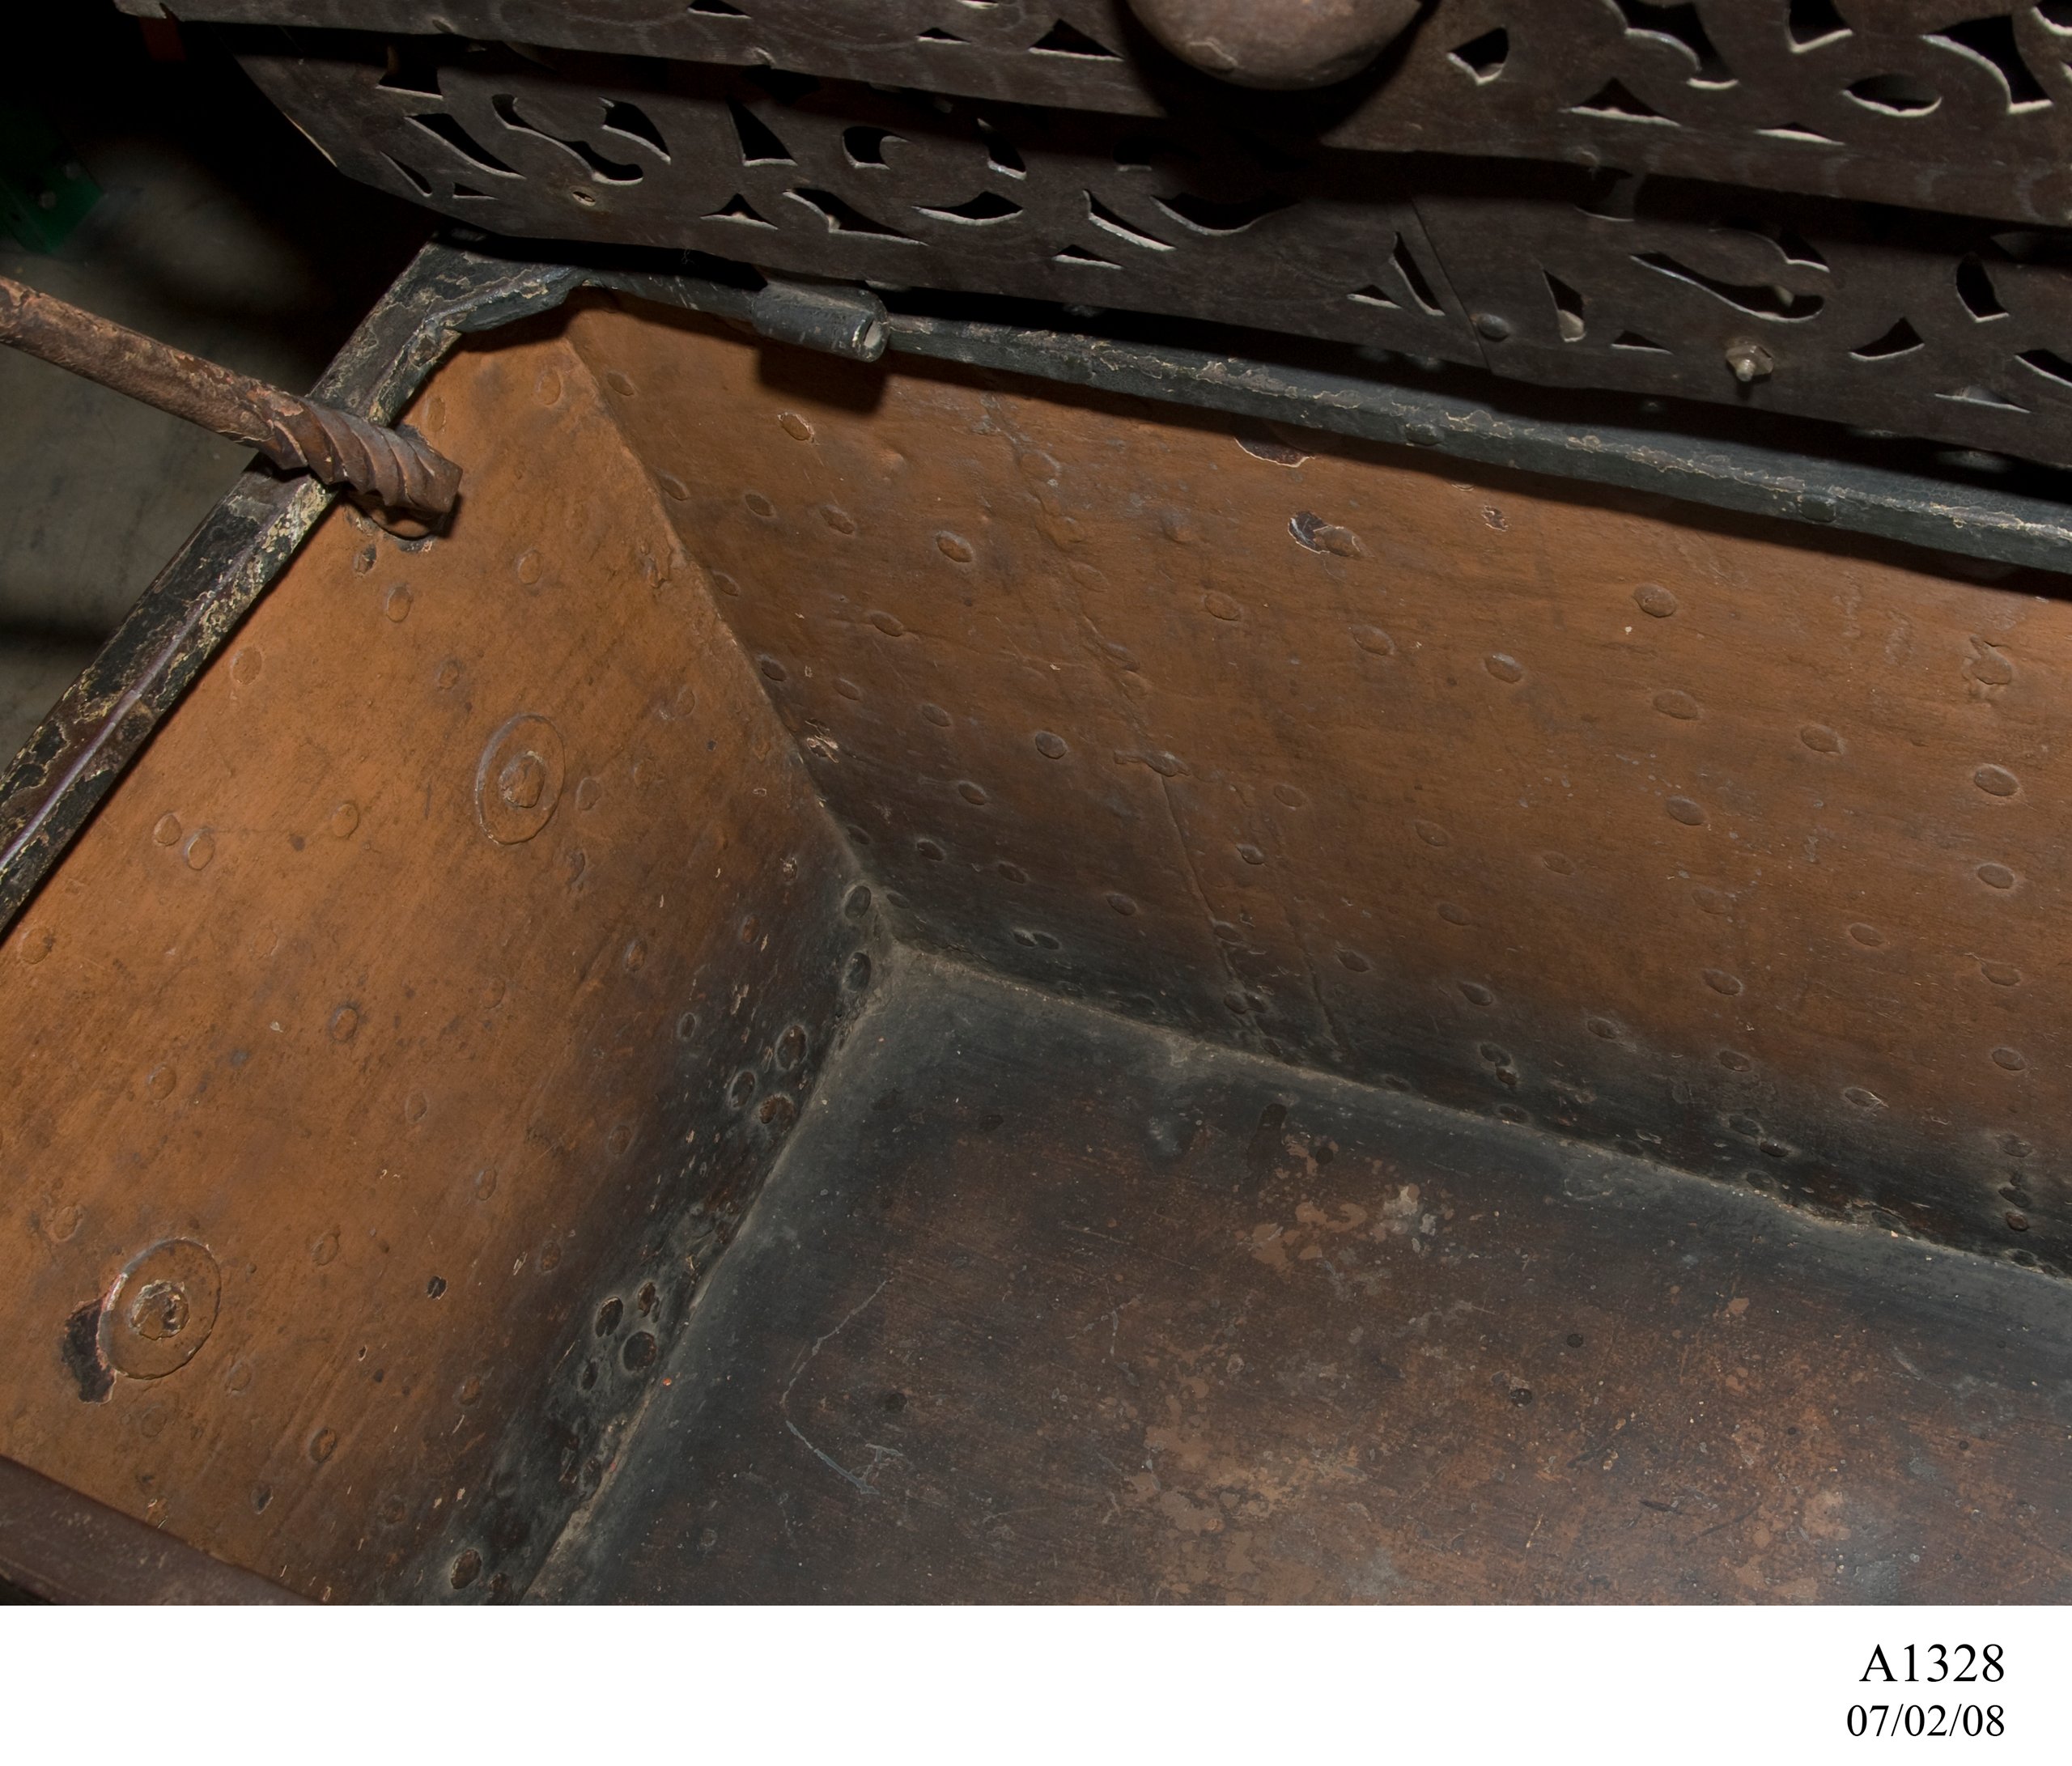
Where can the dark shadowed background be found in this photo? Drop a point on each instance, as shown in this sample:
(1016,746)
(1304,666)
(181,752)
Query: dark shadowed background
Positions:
(219,228)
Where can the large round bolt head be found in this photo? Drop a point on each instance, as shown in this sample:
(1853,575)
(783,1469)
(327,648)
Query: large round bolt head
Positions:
(1277,44)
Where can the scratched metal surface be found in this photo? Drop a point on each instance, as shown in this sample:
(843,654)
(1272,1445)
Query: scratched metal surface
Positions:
(1618,828)
(446,969)
(1931,102)
(1044,1305)
(1674,832)
(1925,325)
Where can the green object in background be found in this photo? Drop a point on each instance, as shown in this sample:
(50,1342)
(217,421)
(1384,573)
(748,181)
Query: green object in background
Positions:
(44,191)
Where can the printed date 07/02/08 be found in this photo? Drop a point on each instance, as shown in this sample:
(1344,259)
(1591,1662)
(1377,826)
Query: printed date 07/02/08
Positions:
(1962,1664)
(1925,1720)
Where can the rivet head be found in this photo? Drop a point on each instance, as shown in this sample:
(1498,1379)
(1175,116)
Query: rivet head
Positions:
(1492,325)
(1654,601)
(522,780)
(1319,535)
(161,1309)
(1750,361)
(518,781)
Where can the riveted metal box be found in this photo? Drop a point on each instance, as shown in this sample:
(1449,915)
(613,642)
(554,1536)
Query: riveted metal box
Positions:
(907,979)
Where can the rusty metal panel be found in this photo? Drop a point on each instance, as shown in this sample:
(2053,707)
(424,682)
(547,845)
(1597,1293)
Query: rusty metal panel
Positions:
(1929,325)
(1929,104)
(1671,832)
(411,1033)
(450,966)
(1049,1306)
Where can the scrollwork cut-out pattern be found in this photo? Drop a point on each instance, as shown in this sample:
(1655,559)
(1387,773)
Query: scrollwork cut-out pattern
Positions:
(1935,326)
(1939,104)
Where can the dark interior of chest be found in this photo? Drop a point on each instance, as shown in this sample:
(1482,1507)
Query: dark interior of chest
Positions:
(893,983)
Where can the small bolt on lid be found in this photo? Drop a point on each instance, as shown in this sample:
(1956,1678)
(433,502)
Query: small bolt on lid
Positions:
(1750,361)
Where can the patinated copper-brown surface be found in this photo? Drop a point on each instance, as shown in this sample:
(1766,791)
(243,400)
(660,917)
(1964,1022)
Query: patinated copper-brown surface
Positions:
(400,1047)
(395,976)
(1688,835)
(1043,1305)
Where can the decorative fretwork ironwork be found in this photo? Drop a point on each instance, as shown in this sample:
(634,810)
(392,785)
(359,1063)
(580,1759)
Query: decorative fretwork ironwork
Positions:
(1945,104)
(1955,329)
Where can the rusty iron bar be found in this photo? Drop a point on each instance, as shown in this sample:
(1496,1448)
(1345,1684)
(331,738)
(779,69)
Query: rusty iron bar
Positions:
(397,466)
